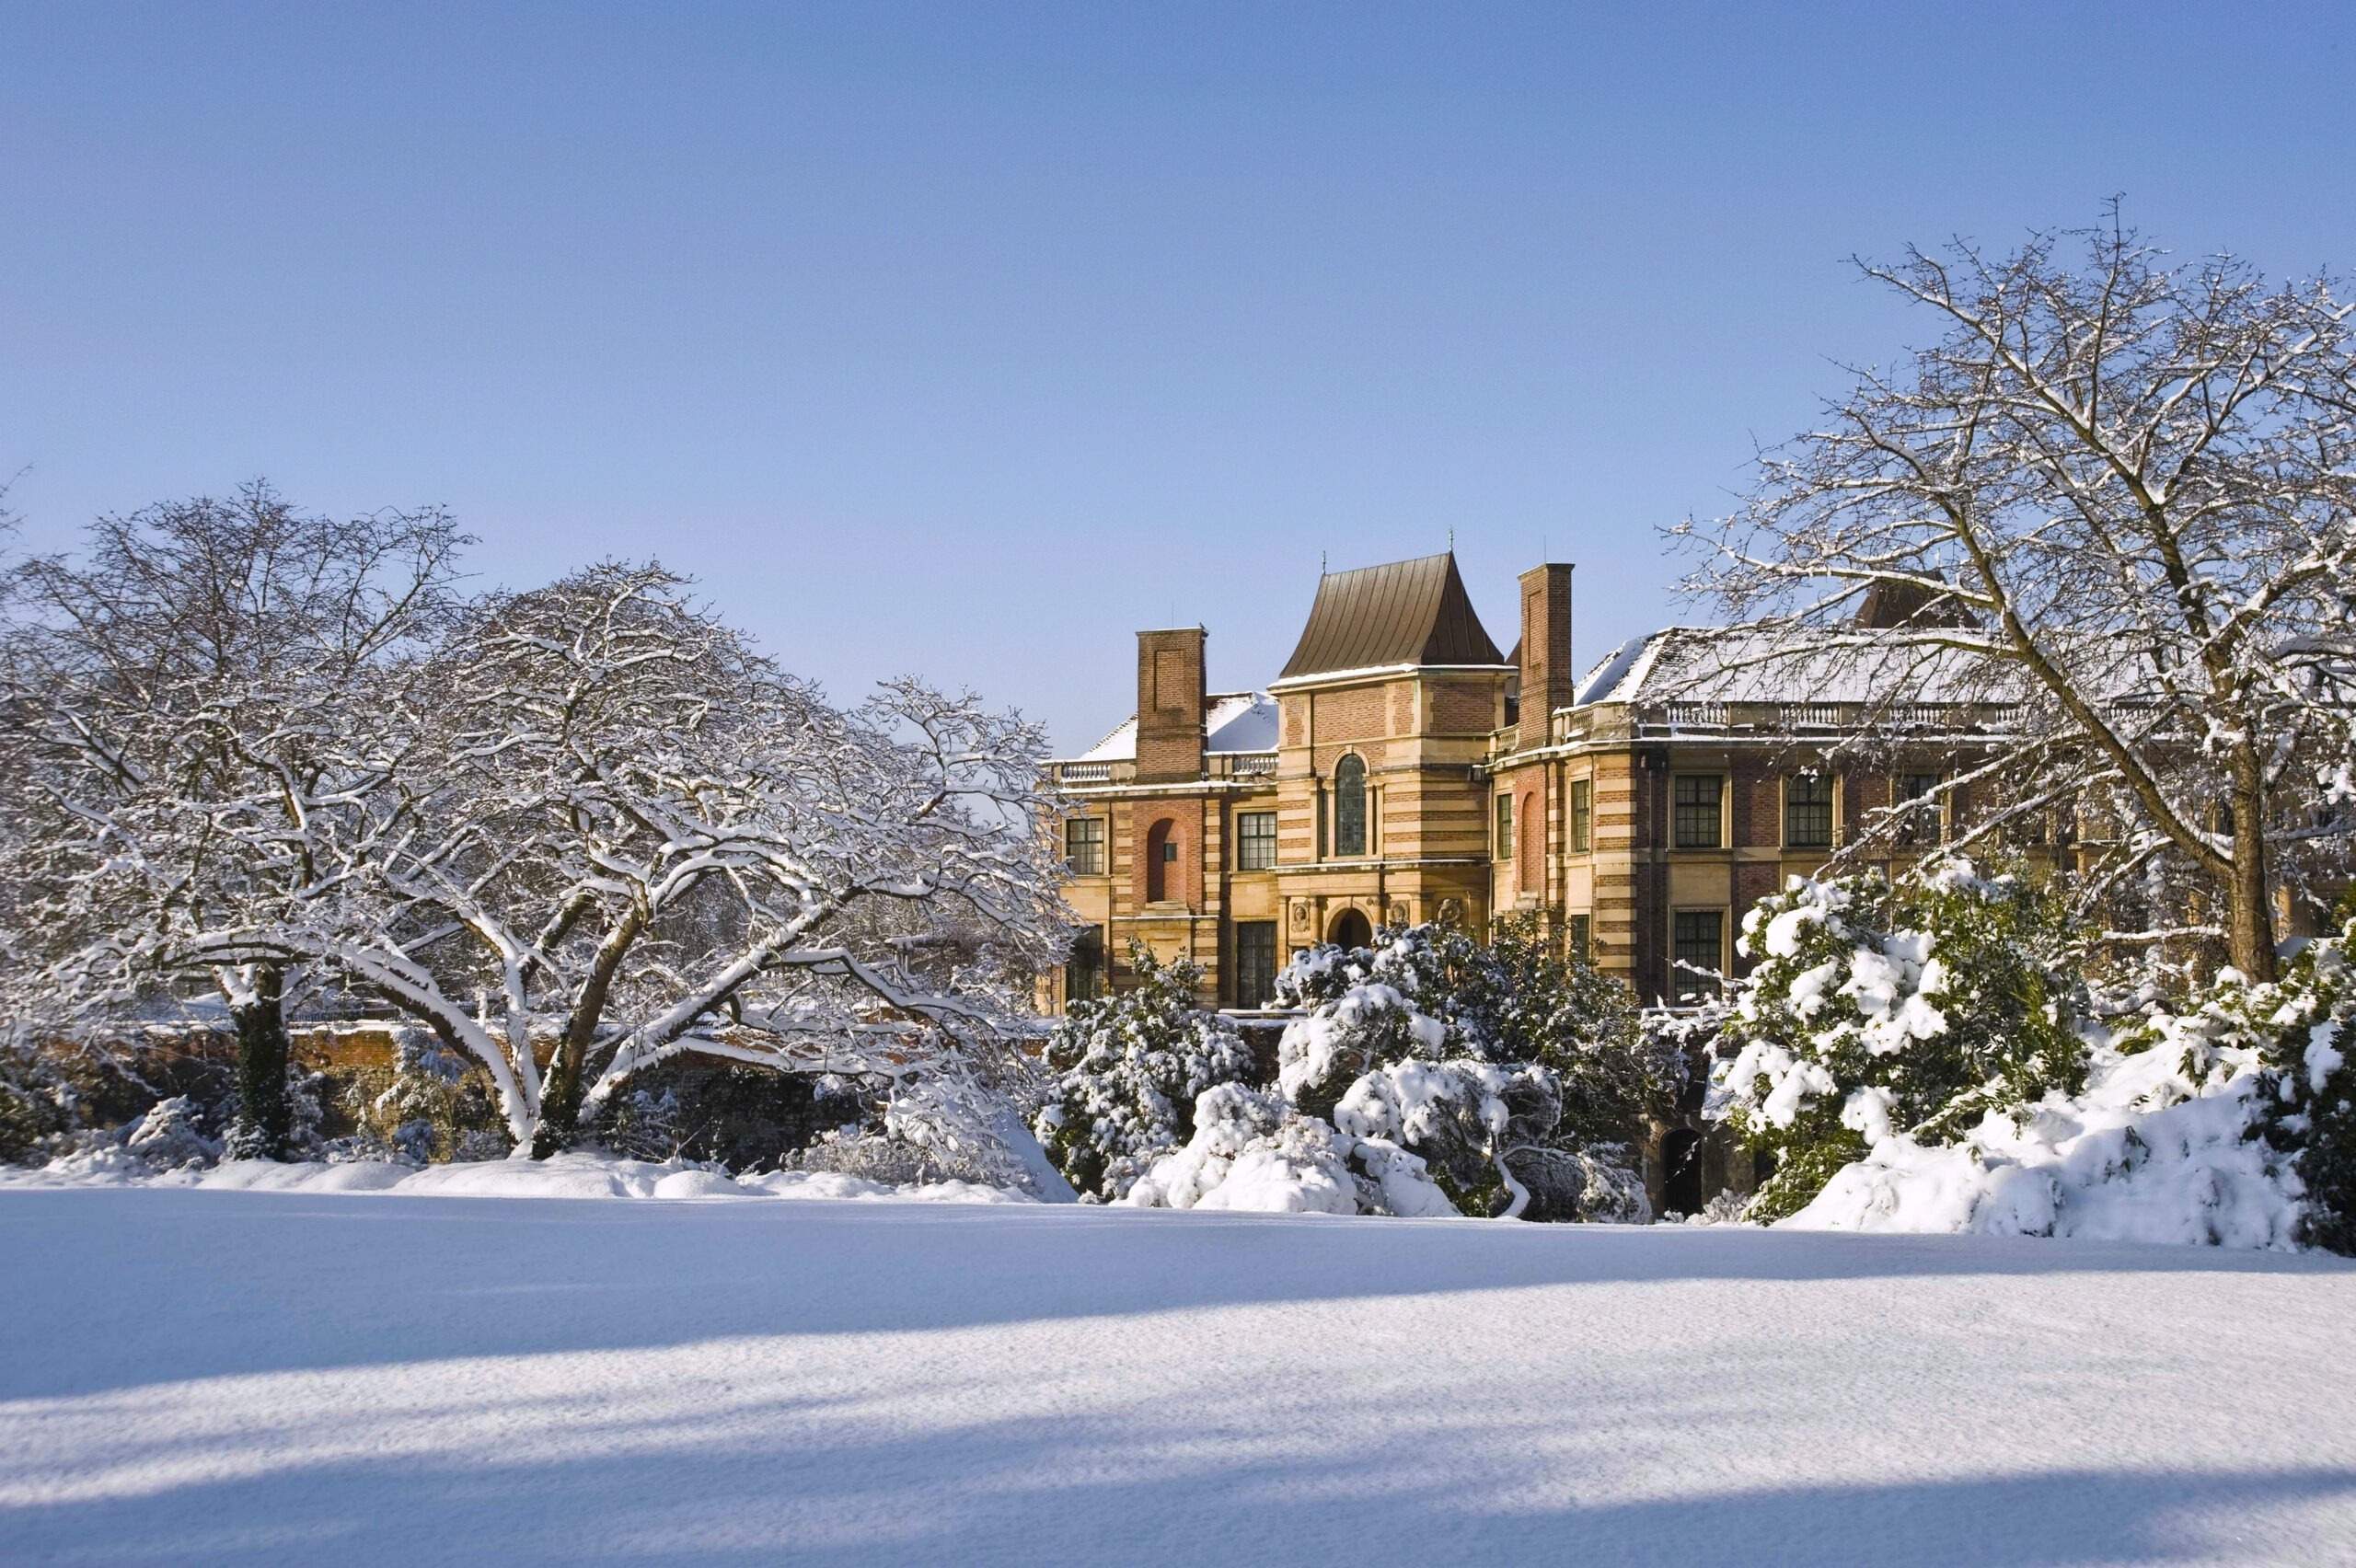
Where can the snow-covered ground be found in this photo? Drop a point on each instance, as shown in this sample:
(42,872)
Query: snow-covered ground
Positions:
(241,1377)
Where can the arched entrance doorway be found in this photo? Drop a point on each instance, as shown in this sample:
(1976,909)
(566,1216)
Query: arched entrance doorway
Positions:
(1681,1165)
(1350,930)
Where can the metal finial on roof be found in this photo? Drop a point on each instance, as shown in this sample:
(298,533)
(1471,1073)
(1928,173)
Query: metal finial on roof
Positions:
(1452,539)
(1320,563)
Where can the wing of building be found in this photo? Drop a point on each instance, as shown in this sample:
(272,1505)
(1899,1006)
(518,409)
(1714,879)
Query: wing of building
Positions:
(1400,769)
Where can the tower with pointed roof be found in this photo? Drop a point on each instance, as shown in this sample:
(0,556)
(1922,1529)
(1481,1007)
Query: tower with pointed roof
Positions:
(1238,828)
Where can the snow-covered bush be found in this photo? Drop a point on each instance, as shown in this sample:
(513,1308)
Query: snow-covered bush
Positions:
(2155,1147)
(934,1120)
(2296,1036)
(171,1135)
(1251,1150)
(1437,1075)
(1129,1068)
(1873,1011)
(647,1126)
(2223,1119)
(36,1099)
(430,1104)
(1531,1073)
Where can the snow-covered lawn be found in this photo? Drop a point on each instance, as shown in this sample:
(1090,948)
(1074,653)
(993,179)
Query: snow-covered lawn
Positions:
(210,1376)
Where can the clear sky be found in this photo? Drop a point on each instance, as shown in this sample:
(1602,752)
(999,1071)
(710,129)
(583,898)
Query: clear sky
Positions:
(969,340)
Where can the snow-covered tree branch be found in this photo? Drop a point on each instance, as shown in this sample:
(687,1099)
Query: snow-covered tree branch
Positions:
(2116,503)
(618,834)
(187,702)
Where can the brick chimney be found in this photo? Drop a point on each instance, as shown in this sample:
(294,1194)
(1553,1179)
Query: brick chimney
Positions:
(1169,706)
(1546,675)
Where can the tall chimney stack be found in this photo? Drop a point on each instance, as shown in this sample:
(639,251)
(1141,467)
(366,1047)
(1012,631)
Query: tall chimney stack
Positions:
(1547,678)
(1169,706)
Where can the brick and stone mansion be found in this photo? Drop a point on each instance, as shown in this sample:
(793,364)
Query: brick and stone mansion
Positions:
(1400,769)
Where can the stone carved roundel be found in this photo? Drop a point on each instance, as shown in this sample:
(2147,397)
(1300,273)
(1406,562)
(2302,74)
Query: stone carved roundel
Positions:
(1300,913)
(1398,914)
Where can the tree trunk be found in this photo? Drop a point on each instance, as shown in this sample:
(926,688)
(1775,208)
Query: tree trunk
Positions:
(265,1119)
(2249,924)
(561,1099)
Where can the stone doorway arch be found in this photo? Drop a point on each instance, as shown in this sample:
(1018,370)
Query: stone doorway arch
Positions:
(1350,928)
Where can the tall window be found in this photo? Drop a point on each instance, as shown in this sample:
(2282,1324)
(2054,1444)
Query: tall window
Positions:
(1349,808)
(1919,793)
(1808,812)
(1255,962)
(1532,873)
(1698,944)
(1504,827)
(1583,937)
(1256,841)
(1161,860)
(1696,813)
(1084,846)
(1582,815)
(1084,972)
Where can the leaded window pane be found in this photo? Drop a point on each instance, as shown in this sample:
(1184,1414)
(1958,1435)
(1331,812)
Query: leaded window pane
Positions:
(1808,812)
(1696,810)
(1698,945)
(1255,840)
(1084,846)
(1255,962)
(1349,808)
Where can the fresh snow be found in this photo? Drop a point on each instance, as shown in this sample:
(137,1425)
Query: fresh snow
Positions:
(199,1377)
(575,1175)
(2117,1163)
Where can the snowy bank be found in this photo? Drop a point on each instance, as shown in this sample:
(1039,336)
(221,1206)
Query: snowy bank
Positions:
(262,1379)
(578,1174)
(2145,1154)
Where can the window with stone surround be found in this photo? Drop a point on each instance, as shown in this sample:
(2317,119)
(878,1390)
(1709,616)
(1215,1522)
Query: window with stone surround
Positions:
(1808,812)
(1084,846)
(1255,842)
(1084,972)
(1919,794)
(1349,807)
(1696,811)
(1255,962)
(1582,815)
(1698,941)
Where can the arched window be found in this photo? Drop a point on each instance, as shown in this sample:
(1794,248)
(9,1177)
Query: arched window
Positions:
(1349,807)
(1161,860)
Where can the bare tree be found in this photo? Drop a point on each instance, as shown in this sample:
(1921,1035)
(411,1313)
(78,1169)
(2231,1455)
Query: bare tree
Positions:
(618,833)
(182,701)
(2116,498)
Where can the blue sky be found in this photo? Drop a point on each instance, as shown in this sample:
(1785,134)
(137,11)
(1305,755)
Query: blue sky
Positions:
(969,340)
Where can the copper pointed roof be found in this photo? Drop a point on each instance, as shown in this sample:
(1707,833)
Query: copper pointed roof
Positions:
(1409,612)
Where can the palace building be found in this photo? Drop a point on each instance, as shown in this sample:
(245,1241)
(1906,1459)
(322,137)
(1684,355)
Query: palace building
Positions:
(1400,769)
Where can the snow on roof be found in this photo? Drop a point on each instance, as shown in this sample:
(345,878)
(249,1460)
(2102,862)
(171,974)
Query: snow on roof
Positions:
(1238,721)
(1121,746)
(1688,663)
(1241,722)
